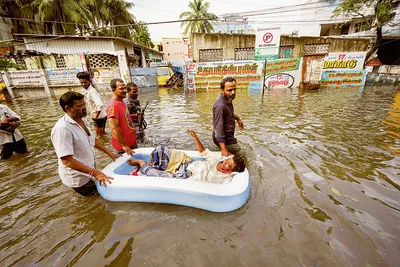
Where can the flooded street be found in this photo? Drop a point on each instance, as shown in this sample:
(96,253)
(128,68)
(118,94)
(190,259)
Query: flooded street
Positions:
(325,181)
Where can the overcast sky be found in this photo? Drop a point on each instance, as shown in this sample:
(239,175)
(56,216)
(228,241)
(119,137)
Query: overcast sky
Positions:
(164,10)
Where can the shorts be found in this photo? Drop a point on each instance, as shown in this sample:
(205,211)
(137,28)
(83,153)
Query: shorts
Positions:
(100,123)
(87,189)
(7,149)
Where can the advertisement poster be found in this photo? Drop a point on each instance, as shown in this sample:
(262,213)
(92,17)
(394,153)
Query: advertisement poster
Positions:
(104,75)
(344,61)
(267,43)
(344,78)
(61,76)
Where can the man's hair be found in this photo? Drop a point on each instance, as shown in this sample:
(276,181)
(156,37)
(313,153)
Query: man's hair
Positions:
(68,98)
(239,164)
(83,75)
(225,80)
(129,85)
(113,83)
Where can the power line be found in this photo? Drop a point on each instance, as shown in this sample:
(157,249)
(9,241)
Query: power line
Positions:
(257,12)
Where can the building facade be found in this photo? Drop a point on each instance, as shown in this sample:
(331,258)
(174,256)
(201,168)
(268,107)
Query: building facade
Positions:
(208,47)
(176,48)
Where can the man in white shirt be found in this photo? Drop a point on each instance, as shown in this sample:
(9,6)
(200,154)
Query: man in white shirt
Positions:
(74,144)
(94,102)
(11,139)
(215,168)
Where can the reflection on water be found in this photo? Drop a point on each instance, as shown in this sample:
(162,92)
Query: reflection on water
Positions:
(325,188)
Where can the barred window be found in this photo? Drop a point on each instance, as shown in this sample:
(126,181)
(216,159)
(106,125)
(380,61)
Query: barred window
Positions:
(244,53)
(102,61)
(286,51)
(209,55)
(316,49)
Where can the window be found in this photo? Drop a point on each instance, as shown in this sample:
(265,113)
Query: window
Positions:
(286,51)
(162,71)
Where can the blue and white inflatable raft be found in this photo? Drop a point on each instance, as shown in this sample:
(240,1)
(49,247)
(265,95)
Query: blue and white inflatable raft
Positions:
(206,196)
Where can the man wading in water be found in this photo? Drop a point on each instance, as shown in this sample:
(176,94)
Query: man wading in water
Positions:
(224,120)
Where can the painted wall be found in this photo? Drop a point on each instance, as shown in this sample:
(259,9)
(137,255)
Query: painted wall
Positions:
(336,44)
(174,49)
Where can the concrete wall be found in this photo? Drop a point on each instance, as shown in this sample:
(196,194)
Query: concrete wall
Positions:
(5,29)
(228,42)
(374,78)
(335,44)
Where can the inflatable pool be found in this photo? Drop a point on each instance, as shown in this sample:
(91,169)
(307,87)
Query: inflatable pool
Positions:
(206,196)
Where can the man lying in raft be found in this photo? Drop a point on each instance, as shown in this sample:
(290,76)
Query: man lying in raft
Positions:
(171,163)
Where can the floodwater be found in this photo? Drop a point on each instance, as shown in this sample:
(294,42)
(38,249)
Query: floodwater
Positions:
(325,181)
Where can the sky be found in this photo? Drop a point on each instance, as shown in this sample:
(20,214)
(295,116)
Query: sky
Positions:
(165,10)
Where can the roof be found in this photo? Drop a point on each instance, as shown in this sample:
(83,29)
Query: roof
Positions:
(374,62)
(90,37)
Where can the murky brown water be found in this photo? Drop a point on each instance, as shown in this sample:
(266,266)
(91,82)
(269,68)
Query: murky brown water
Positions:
(350,218)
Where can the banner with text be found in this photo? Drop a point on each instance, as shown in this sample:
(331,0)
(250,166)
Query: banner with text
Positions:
(344,61)
(343,78)
(283,73)
(63,76)
(25,77)
(343,70)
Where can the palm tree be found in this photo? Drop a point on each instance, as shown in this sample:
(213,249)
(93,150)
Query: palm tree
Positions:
(59,11)
(96,17)
(198,10)
(115,12)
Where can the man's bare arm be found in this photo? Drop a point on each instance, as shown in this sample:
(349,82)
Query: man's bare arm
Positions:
(196,139)
(72,163)
(118,136)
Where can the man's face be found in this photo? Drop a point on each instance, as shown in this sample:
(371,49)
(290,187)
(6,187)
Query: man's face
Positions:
(78,109)
(226,166)
(85,83)
(120,91)
(133,92)
(229,92)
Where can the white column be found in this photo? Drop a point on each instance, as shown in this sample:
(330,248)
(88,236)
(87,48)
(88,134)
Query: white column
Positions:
(8,83)
(45,84)
(123,66)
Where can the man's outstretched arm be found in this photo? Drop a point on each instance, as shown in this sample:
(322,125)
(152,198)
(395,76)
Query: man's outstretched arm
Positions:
(196,139)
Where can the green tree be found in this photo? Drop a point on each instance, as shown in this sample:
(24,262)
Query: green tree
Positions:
(142,35)
(382,13)
(198,10)
(6,64)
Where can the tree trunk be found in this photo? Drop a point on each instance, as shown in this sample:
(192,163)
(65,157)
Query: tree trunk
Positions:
(377,43)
